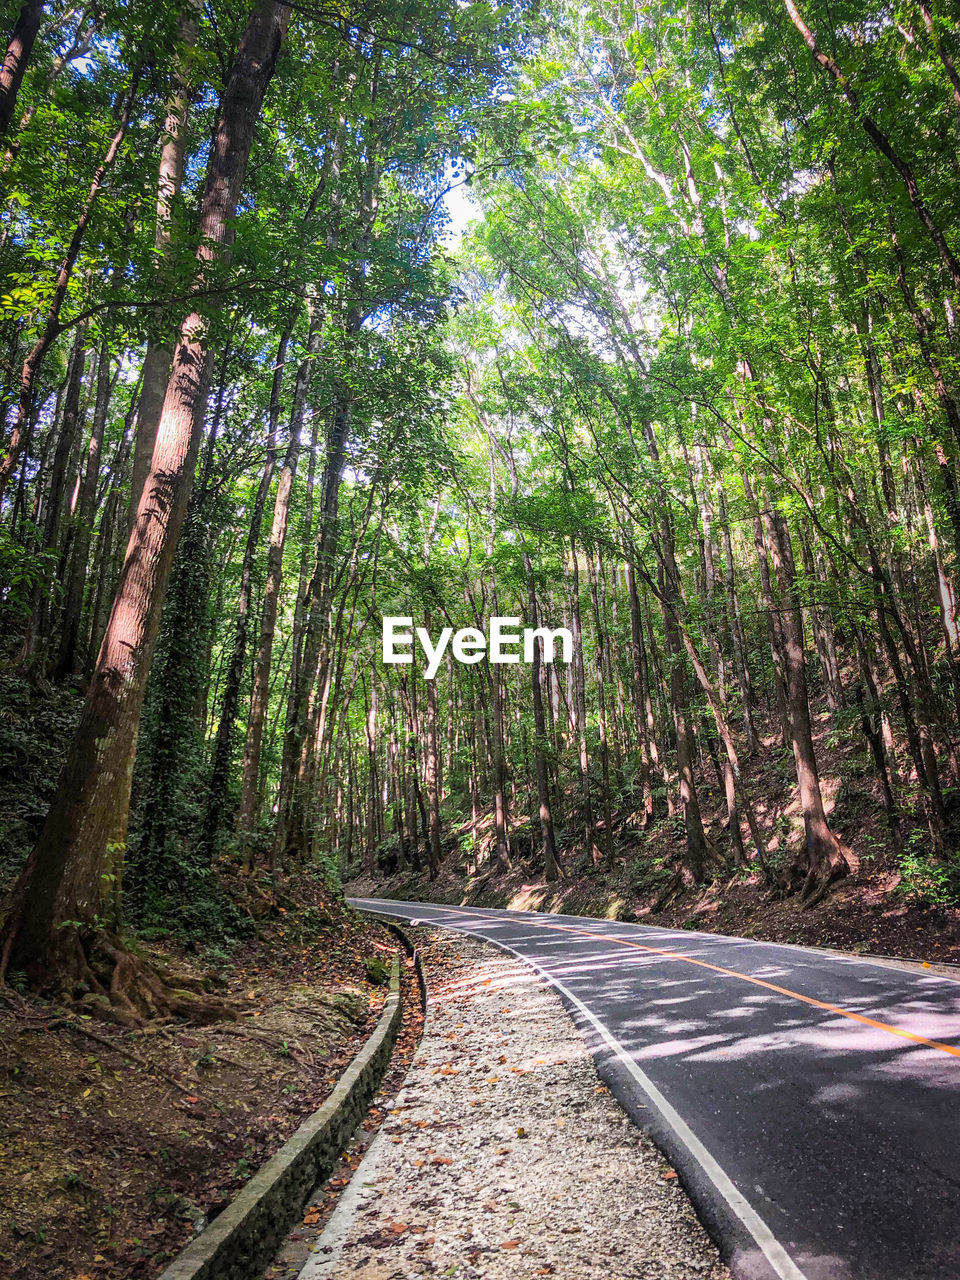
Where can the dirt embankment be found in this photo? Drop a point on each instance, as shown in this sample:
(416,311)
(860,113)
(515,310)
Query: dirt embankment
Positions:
(117,1145)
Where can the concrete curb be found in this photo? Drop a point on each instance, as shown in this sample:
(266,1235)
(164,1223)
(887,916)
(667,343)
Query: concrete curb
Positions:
(412,951)
(940,968)
(242,1240)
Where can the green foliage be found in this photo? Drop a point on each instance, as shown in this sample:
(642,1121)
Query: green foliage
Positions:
(377,970)
(925,878)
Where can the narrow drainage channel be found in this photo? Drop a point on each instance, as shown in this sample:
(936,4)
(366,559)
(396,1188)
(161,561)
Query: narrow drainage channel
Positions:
(295,1250)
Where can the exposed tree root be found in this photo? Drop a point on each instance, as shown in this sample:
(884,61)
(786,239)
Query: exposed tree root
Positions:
(138,991)
(78,1027)
(100,975)
(820,880)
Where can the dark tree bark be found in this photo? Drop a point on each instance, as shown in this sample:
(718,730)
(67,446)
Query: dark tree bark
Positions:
(550,860)
(69,657)
(432,774)
(580,710)
(602,716)
(215,818)
(292,837)
(259,699)
(159,354)
(699,849)
(17,59)
(639,692)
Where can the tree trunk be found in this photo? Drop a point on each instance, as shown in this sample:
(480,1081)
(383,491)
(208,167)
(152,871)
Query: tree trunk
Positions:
(432,773)
(60,894)
(823,858)
(639,692)
(370,844)
(550,867)
(735,622)
(580,709)
(68,660)
(218,792)
(159,354)
(292,837)
(699,850)
(259,698)
(16,60)
(602,716)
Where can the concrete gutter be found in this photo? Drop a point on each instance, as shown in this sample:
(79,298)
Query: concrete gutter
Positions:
(243,1239)
(412,951)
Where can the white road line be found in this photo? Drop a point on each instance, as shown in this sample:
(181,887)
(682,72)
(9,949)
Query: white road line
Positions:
(771,1248)
(783,1265)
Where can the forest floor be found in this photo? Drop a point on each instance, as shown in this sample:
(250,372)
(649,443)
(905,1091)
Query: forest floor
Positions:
(117,1145)
(861,914)
(895,903)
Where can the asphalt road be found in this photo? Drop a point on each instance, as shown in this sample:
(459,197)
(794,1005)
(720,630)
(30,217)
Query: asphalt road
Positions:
(809,1102)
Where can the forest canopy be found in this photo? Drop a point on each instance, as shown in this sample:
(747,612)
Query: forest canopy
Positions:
(638,320)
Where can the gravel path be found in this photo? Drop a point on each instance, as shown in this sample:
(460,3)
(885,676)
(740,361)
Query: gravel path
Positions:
(504,1157)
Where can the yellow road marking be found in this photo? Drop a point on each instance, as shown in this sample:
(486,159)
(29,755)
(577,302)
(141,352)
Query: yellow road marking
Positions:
(757,982)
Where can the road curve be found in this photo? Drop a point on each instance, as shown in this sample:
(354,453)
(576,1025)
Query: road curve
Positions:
(810,1102)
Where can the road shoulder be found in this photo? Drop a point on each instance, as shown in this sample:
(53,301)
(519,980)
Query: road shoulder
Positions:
(500,1153)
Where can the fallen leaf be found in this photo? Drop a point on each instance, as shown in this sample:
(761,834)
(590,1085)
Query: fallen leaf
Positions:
(510,1244)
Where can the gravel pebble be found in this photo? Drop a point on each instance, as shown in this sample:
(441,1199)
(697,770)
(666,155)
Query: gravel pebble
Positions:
(504,1157)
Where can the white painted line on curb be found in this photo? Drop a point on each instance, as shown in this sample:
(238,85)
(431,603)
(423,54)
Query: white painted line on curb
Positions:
(783,1265)
(329,1246)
